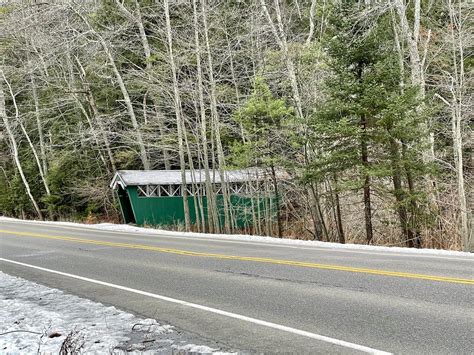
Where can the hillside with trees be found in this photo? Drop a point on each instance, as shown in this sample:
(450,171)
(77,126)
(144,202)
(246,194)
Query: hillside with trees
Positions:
(365,105)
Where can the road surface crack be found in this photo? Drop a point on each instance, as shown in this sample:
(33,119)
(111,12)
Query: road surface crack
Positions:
(295,281)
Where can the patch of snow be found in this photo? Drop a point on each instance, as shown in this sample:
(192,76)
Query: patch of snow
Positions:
(201,349)
(38,319)
(124,228)
(198,349)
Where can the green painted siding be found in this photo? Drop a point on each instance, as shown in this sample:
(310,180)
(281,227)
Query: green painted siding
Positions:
(169,210)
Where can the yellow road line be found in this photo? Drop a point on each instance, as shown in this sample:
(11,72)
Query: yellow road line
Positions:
(248,258)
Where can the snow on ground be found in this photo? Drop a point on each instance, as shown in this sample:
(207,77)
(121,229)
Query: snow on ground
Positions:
(38,319)
(253,238)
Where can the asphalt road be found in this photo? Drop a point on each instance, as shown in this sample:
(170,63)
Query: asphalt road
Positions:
(388,301)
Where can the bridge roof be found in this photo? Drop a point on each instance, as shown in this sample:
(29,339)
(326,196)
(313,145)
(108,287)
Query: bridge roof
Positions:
(126,178)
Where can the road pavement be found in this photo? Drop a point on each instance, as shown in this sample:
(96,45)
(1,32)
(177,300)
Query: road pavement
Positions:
(258,297)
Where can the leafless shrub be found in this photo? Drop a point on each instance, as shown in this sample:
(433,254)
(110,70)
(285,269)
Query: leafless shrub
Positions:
(73,343)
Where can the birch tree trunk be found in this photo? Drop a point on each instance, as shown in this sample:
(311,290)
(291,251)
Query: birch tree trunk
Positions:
(128,103)
(236,85)
(311,21)
(457,108)
(39,124)
(411,37)
(417,69)
(416,62)
(280,38)
(412,221)
(97,116)
(123,89)
(27,136)
(93,130)
(160,118)
(213,218)
(179,119)
(216,124)
(14,148)
(137,19)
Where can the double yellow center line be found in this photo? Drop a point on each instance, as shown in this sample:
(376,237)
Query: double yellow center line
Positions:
(246,258)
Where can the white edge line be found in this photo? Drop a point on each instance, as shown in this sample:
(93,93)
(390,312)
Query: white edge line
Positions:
(213,310)
(164,234)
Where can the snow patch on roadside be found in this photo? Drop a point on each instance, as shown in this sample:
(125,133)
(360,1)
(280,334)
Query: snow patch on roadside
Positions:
(192,348)
(38,319)
(251,238)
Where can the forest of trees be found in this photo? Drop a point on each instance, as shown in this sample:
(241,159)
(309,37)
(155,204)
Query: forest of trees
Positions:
(366,105)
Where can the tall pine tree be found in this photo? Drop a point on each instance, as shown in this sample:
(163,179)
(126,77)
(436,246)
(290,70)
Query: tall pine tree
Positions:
(367,126)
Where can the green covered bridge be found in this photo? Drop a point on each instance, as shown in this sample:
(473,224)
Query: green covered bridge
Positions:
(155,197)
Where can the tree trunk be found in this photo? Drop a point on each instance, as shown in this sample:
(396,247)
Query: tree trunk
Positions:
(236,86)
(128,103)
(193,181)
(27,136)
(216,125)
(340,227)
(93,131)
(367,199)
(39,125)
(160,118)
(14,148)
(137,19)
(280,37)
(418,80)
(213,218)
(338,217)
(412,221)
(399,193)
(312,11)
(315,208)
(457,105)
(123,89)
(277,202)
(96,114)
(179,120)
